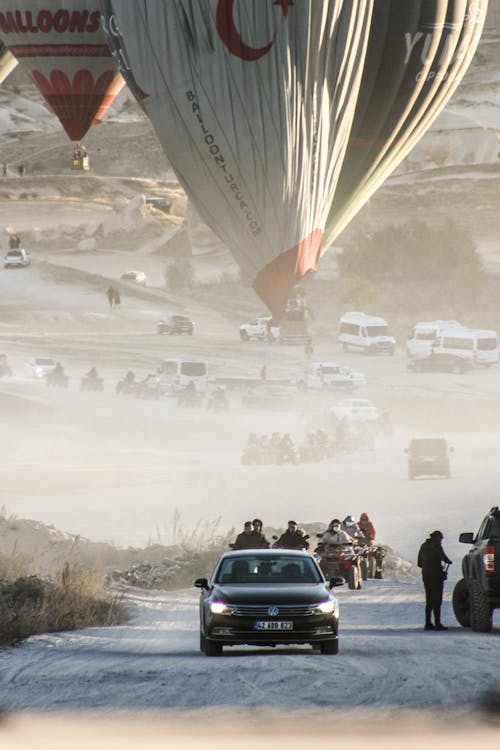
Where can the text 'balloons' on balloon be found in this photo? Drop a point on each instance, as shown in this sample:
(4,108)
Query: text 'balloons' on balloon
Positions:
(282,117)
(63,48)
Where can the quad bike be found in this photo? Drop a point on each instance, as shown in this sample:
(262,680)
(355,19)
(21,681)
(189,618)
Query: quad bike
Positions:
(125,387)
(341,560)
(57,379)
(91,384)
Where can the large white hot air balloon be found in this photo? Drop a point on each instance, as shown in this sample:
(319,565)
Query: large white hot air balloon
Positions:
(281,117)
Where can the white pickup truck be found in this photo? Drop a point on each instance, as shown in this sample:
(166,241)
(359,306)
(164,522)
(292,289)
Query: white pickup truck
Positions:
(258,329)
(17,258)
(328,375)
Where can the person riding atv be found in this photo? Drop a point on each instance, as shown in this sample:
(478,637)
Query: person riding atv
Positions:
(218,401)
(57,377)
(91,381)
(189,396)
(127,384)
(293,538)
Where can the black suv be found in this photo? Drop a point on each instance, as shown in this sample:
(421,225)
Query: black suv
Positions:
(428,457)
(175,325)
(477,594)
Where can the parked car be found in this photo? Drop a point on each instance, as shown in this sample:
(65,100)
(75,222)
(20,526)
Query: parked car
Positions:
(17,258)
(258,329)
(477,594)
(268,397)
(40,367)
(428,457)
(356,409)
(159,202)
(175,325)
(267,598)
(139,277)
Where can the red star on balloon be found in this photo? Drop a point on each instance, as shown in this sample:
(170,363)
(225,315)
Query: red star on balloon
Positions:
(285,4)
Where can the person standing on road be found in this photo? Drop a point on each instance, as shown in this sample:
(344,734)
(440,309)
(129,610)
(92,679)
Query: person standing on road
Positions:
(116,297)
(431,557)
(110,294)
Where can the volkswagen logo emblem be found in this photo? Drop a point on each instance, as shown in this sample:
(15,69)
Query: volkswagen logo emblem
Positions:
(273,611)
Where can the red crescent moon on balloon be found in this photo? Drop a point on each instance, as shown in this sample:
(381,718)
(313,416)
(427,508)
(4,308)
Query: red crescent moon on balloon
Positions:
(231,36)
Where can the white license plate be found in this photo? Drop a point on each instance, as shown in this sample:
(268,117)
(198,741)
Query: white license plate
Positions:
(273,625)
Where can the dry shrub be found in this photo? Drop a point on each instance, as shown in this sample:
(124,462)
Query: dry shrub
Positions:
(30,605)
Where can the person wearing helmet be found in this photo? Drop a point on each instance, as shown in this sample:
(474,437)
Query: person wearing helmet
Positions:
(367,528)
(351,528)
(431,557)
(335,534)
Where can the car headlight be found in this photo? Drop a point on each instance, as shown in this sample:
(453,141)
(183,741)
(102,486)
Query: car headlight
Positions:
(327,607)
(218,608)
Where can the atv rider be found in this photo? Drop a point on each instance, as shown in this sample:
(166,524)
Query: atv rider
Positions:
(367,529)
(335,535)
(257,526)
(92,374)
(351,528)
(293,538)
(248,539)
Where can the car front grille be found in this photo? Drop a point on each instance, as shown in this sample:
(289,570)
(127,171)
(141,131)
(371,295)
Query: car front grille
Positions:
(284,611)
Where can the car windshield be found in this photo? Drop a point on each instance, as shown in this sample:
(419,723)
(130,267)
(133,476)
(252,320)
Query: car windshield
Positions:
(193,368)
(267,570)
(377,331)
(425,335)
(329,369)
(428,445)
(44,362)
(15,253)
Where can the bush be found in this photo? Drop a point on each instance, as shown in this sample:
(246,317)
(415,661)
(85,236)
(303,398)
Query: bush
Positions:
(30,605)
(356,292)
(413,251)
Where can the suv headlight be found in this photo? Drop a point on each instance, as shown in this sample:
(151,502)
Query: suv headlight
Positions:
(218,608)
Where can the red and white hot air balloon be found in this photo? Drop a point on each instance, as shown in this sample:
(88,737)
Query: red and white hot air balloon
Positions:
(62,46)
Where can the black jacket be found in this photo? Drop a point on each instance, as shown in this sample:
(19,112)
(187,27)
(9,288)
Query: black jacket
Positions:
(292,541)
(249,541)
(431,556)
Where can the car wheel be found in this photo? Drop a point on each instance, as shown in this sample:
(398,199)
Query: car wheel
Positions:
(480,609)
(461,605)
(329,647)
(213,648)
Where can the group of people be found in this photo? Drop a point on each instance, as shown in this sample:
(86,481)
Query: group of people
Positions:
(270,449)
(317,446)
(346,532)
(113,295)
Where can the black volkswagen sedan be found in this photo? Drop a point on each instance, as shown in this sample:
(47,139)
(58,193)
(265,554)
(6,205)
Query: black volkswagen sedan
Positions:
(267,597)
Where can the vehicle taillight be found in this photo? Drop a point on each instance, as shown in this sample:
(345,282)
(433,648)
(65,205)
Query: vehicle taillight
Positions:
(489,559)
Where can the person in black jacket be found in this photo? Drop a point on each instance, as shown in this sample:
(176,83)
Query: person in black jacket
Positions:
(248,539)
(257,527)
(431,557)
(293,538)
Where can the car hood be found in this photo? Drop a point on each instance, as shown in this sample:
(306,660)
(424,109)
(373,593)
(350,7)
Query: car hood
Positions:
(272,594)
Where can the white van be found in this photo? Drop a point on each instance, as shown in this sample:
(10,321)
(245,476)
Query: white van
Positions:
(176,372)
(423,336)
(479,347)
(360,331)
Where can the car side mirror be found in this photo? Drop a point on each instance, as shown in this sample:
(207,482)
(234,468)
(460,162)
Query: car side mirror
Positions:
(336,581)
(201,583)
(466,538)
